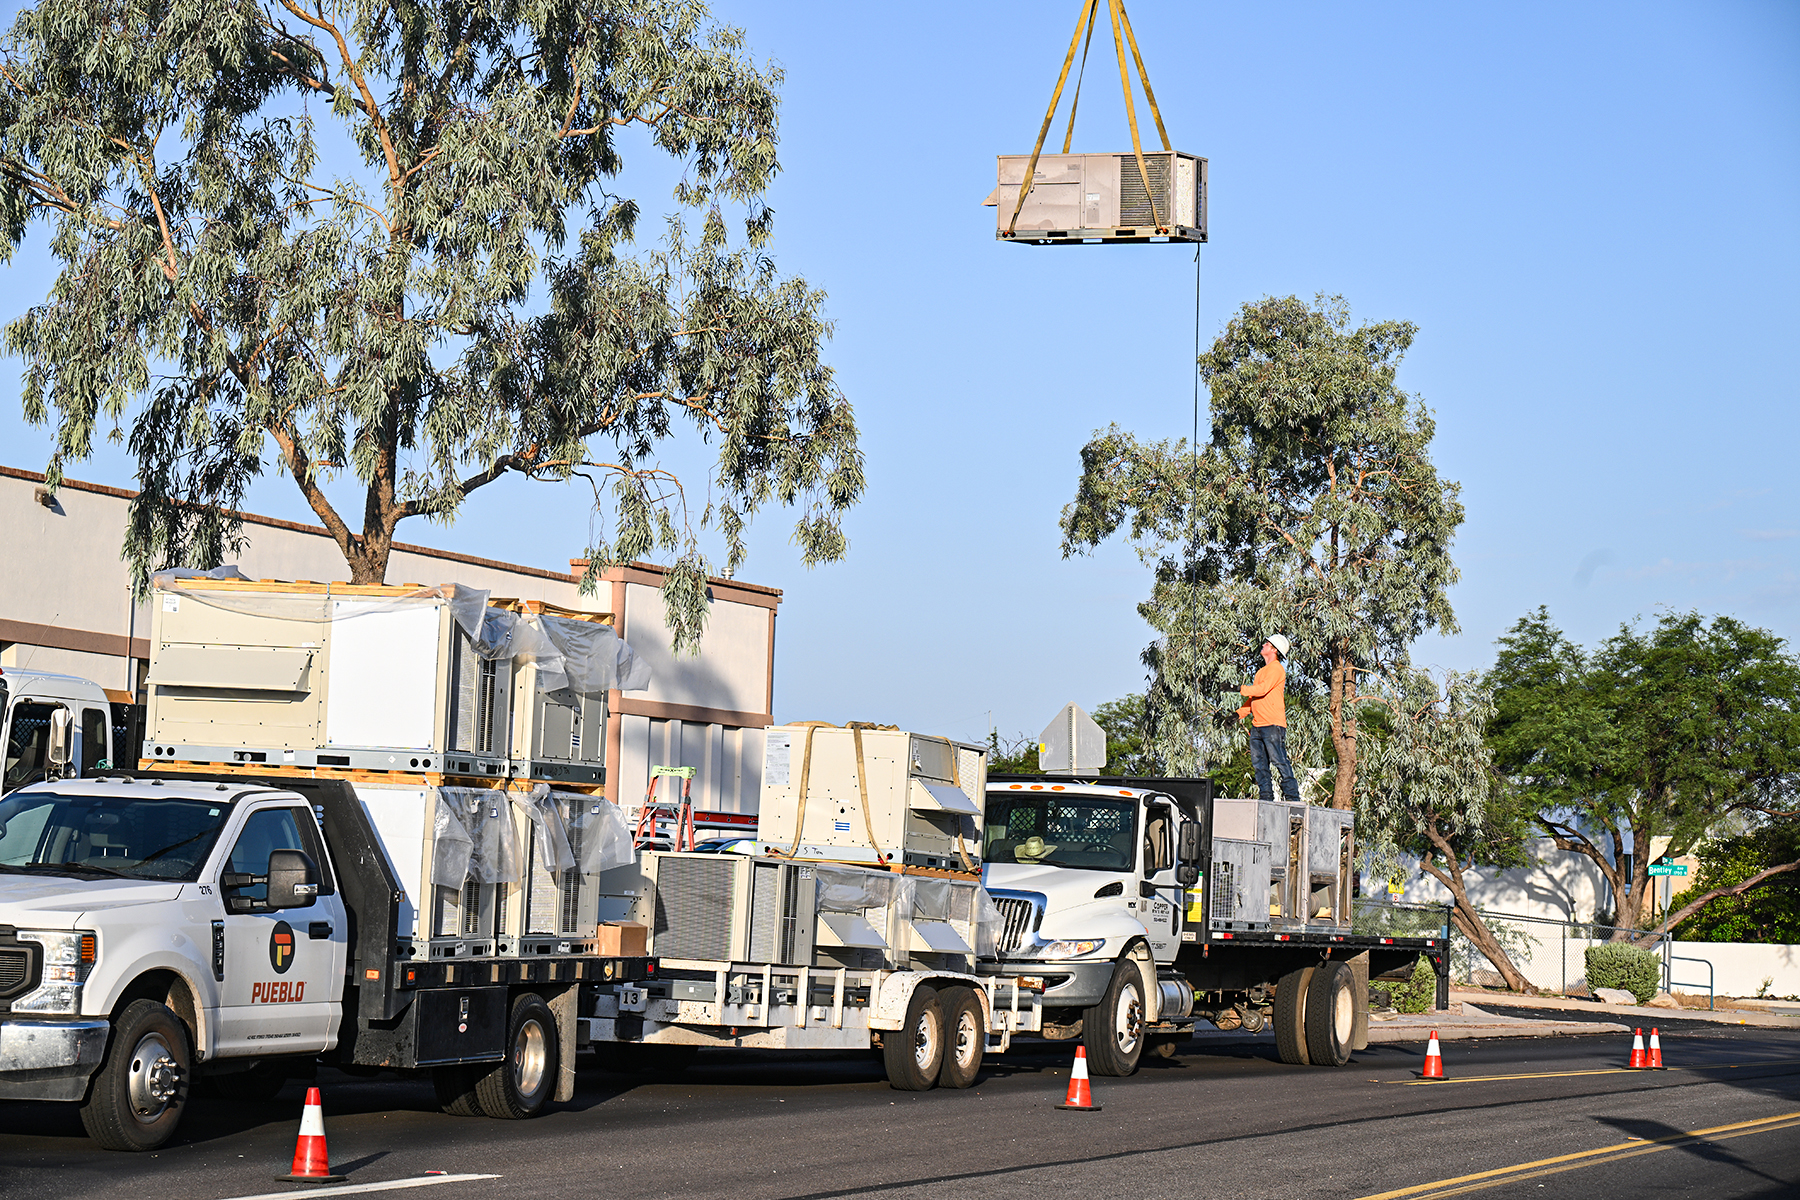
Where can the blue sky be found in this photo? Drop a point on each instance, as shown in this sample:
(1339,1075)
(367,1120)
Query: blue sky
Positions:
(1589,210)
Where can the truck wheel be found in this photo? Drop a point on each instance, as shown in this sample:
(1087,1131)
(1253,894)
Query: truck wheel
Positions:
(136,1098)
(1290,1016)
(914,1053)
(1113,1030)
(455,1085)
(1330,1014)
(965,1037)
(523,1082)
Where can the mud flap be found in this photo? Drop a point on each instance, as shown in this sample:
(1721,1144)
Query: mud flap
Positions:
(1359,974)
(563,1007)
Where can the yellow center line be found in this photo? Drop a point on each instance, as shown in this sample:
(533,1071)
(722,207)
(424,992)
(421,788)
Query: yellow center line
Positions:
(1584,1158)
(1768,1062)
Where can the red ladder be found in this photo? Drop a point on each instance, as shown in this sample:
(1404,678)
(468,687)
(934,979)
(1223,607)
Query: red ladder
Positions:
(681,810)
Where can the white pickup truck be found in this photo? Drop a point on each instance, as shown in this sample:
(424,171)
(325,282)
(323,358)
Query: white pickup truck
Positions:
(1140,906)
(155,929)
(53,726)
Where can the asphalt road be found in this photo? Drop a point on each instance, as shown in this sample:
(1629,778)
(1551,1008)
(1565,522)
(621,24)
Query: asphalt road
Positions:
(1552,1118)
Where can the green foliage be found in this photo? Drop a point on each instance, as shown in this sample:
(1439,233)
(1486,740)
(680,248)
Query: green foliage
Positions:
(1624,966)
(1769,912)
(1313,510)
(1418,993)
(1662,732)
(454,293)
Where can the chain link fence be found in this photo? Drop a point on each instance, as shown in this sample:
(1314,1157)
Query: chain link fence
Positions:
(1550,954)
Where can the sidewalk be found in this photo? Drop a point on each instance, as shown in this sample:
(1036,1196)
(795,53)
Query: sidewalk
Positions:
(1638,1014)
(1459,1022)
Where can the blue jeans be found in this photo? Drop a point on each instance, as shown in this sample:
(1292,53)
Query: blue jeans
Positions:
(1269,742)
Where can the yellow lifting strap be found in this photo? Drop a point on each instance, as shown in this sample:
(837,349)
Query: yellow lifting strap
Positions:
(1122,34)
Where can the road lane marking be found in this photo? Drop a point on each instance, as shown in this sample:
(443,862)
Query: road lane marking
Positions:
(390,1185)
(1585,1158)
(1770,1062)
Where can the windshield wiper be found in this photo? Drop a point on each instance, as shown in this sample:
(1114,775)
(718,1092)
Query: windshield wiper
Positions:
(178,845)
(67,867)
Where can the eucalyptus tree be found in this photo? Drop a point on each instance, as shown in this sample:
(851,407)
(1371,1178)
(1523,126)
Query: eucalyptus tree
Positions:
(389,243)
(1662,733)
(1429,790)
(1313,510)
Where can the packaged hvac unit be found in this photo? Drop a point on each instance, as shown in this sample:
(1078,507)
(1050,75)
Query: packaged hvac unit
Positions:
(919,803)
(1087,198)
(729,908)
(1239,886)
(437,680)
(560,900)
(1311,858)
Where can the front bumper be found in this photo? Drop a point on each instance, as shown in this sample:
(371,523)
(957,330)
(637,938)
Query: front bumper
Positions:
(49,1060)
(1067,983)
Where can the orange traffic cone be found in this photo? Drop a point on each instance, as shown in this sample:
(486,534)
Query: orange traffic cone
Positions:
(1079,1099)
(1655,1062)
(1638,1062)
(1434,1060)
(311,1163)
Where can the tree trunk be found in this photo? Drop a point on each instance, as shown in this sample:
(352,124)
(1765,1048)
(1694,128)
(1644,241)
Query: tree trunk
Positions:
(1737,889)
(1343,727)
(1465,917)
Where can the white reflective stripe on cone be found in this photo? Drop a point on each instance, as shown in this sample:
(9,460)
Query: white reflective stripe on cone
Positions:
(312,1121)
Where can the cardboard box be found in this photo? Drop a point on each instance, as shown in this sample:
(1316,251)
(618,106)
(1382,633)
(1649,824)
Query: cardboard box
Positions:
(623,939)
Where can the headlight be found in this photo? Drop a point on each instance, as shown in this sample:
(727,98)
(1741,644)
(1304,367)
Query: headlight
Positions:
(1070,949)
(68,959)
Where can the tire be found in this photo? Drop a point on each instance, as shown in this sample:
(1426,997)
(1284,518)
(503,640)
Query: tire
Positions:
(965,1037)
(455,1085)
(522,1083)
(137,1097)
(1289,1017)
(914,1053)
(1330,1014)
(1113,1030)
(259,1085)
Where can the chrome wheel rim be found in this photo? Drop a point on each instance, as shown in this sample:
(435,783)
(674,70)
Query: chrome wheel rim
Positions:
(925,1041)
(966,1033)
(531,1055)
(155,1077)
(1128,1020)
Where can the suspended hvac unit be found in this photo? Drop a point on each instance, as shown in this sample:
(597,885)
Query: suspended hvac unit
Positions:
(1088,198)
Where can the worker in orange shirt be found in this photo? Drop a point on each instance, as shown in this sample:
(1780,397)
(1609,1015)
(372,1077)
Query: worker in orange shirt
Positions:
(1267,710)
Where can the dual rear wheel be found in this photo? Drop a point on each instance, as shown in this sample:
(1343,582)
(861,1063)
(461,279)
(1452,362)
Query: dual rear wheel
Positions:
(517,1086)
(1315,1015)
(941,1042)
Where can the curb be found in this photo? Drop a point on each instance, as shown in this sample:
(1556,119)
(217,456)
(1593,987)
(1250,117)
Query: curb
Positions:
(1640,1014)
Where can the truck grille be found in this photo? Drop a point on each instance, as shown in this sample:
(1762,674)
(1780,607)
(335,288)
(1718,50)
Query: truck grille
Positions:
(1018,918)
(15,971)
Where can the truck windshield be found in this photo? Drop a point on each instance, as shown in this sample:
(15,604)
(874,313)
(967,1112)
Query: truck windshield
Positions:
(1092,832)
(133,837)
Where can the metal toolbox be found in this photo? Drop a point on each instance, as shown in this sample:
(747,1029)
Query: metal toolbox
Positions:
(919,803)
(1077,198)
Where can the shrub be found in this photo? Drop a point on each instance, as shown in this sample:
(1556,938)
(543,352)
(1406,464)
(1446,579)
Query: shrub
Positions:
(1626,967)
(1417,994)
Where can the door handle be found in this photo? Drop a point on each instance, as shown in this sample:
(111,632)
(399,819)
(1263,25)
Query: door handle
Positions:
(319,930)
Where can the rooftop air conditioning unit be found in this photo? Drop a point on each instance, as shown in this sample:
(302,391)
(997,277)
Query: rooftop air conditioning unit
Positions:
(1088,198)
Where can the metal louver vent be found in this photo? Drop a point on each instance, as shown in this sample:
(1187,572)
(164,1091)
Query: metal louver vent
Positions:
(1225,891)
(1134,203)
(1017,917)
(693,908)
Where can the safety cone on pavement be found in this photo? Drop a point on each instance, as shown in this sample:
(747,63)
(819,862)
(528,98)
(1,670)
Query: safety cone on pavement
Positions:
(1655,1060)
(1434,1060)
(1080,1098)
(311,1162)
(1638,1062)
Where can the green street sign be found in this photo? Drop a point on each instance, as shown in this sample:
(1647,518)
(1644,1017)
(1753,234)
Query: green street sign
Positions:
(1667,869)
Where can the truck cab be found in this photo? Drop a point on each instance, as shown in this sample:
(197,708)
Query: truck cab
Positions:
(150,928)
(1092,881)
(52,726)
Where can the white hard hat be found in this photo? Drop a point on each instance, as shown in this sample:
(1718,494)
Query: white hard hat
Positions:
(1280,643)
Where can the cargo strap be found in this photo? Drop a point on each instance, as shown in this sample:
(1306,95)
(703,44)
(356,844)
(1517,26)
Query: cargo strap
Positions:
(1122,35)
(862,788)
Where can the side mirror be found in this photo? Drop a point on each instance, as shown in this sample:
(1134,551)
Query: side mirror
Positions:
(1188,844)
(62,722)
(1187,875)
(293,879)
